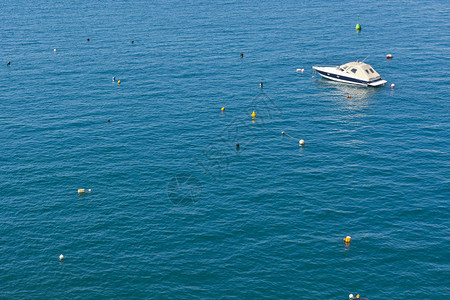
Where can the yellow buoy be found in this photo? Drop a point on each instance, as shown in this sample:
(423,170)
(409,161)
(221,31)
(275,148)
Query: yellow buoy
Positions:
(347,239)
(253,115)
(223,108)
(118,82)
(81,191)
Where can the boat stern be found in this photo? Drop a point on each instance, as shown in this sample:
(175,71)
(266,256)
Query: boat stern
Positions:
(377,83)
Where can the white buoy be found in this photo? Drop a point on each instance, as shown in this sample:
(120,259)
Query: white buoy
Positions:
(61,257)
(392,85)
(303,70)
(89,190)
(300,70)
(350,297)
(301,142)
(54,50)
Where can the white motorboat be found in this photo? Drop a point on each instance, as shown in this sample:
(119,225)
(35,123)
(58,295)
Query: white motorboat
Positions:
(353,72)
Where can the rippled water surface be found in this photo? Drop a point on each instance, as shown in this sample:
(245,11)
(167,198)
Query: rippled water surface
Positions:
(176,211)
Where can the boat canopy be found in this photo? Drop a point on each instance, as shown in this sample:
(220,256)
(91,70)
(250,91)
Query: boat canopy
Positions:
(360,70)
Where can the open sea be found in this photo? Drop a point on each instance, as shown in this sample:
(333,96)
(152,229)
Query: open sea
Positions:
(175,210)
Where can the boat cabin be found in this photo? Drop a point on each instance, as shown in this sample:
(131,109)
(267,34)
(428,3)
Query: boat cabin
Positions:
(360,70)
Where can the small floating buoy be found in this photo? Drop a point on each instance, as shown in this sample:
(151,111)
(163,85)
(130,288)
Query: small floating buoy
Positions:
(253,114)
(300,70)
(81,191)
(223,108)
(9,63)
(347,239)
(107,121)
(114,79)
(389,56)
(301,143)
(54,50)
(132,42)
(89,190)
(88,39)
(260,84)
(392,85)
(242,55)
(348,96)
(358,26)
(118,82)
(237,146)
(61,257)
(283,133)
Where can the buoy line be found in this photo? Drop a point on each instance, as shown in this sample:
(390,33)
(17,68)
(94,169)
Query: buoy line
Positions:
(300,141)
(284,133)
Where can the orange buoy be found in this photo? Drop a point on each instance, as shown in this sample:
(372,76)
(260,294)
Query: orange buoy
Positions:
(348,96)
(347,239)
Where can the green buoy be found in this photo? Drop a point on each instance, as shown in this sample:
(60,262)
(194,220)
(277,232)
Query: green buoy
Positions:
(358,26)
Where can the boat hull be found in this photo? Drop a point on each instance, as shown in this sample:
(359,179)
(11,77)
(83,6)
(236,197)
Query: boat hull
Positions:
(336,75)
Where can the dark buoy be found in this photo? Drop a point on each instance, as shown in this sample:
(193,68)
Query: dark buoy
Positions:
(242,55)
(358,26)
(260,84)
(88,39)
(237,146)
(132,42)
(9,63)
(107,121)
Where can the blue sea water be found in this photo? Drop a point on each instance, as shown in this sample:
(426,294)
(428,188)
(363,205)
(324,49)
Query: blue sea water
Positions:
(176,211)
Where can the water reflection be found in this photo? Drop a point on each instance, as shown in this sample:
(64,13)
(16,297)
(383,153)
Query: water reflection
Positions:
(360,96)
